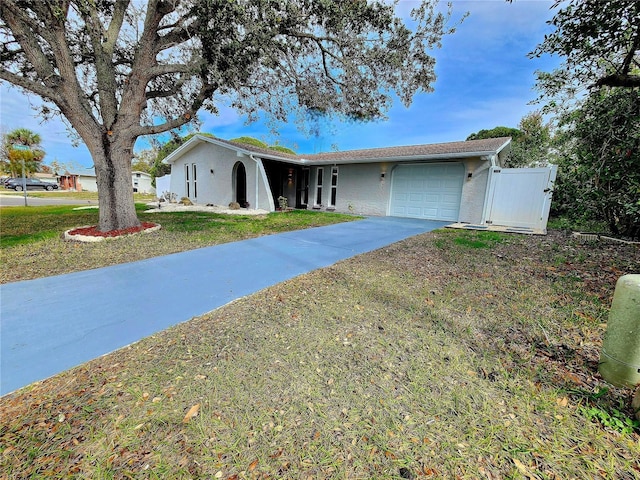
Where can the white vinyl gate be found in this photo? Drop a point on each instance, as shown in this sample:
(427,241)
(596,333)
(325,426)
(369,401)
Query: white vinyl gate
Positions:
(520,197)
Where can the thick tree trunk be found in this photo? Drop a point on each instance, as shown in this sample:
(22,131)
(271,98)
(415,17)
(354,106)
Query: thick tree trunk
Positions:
(115,188)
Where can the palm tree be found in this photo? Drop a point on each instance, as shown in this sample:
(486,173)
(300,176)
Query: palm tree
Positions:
(22,147)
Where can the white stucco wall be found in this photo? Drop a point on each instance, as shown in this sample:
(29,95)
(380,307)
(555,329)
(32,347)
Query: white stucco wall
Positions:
(214,180)
(474,190)
(141,182)
(88,184)
(360,190)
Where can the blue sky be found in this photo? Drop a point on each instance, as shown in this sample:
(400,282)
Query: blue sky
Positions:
(484,80)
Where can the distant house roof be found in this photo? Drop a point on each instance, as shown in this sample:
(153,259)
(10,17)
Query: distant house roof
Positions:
(79,171)
(469,148)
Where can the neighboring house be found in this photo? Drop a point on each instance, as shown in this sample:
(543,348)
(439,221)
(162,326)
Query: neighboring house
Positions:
(81,179)
(46,177)
(142,182)
(78,179)
(444,181)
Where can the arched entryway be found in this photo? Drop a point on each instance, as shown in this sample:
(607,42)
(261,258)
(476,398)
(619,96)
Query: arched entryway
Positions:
(240,184)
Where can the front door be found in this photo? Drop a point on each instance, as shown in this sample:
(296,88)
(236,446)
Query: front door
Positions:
(302,190)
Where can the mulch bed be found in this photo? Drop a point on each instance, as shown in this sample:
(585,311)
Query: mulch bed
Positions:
(93,231)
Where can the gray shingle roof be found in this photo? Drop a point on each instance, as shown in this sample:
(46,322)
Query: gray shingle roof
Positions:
(470,148)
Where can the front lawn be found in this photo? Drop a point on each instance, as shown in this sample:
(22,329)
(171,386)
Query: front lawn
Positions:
(452,354)
(31,244)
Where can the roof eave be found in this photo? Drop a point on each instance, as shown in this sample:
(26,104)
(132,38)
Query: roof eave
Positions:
(406,158)
(197,139)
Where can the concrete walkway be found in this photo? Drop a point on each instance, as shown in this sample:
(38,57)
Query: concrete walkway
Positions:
(49,325)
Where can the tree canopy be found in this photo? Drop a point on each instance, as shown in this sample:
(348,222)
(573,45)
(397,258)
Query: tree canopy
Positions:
(495,132)
(599,176)
(120,69)
(531,141)
(260,144)
(250,141)
(600,43)
(596,93)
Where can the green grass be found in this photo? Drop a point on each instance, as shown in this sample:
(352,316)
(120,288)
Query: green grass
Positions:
(138,197)
(25,225)
(479,239)
(577,225)
(469,239)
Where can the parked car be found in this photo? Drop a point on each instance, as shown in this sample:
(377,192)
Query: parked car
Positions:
(17,184)
(4,180)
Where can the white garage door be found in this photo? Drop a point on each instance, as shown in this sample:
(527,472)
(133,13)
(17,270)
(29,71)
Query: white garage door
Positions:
(427,191)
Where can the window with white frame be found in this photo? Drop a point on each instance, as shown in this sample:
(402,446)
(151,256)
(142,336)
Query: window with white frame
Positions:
(191,178)
(195,179)
(334,186)
(186,179)
(319,181)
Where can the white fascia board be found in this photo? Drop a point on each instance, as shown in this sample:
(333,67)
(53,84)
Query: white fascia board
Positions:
(504,145)
(197,139)
(182,149)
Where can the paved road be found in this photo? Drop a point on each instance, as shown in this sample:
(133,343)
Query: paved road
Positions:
(18,201)
(51,324)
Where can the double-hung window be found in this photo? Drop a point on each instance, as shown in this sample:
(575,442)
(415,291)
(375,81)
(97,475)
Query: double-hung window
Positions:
(195,180)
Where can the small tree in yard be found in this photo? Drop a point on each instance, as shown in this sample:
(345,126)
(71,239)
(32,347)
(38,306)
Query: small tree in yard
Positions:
(119,69)
(600,166)
(29,157)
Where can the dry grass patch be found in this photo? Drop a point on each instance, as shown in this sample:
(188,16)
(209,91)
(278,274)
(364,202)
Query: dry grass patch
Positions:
(426,359)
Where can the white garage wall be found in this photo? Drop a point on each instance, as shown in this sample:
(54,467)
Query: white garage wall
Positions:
(360,189)
(474,190)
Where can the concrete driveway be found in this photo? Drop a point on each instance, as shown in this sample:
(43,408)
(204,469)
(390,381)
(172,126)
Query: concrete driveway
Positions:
(51,324)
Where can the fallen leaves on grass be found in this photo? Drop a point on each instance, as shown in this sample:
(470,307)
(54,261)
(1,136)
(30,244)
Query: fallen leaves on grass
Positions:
(193,411)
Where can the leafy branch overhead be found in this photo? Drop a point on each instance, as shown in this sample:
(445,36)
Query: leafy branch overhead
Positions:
(173,58)
(600,43)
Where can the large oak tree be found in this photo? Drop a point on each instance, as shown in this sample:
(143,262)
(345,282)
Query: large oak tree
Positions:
(121,69)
